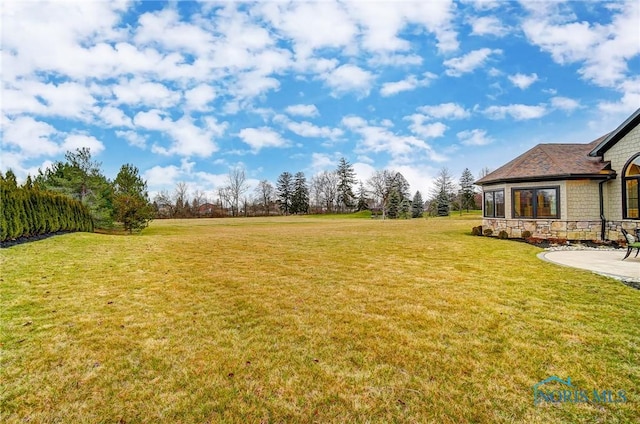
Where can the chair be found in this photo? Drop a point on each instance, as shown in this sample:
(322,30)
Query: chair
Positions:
(632,243)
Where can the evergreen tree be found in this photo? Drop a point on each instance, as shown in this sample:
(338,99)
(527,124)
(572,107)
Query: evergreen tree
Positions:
(300,195)
(443,192)
(467,194)
(346,179)
(80,177)
(131,201)
(284,190)
(405,209)
(417,205)
(363,201)
(393,210)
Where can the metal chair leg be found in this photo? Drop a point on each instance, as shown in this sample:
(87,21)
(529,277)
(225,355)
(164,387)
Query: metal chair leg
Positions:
(628,253)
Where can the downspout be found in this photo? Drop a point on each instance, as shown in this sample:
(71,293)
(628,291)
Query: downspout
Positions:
(603,220)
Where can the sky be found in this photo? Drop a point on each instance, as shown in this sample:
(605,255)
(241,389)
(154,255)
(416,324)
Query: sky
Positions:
(186,91)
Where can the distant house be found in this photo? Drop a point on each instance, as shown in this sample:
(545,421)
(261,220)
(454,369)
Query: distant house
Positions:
(569,191)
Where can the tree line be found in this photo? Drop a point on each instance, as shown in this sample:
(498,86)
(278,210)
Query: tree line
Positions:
(386,193)
(28,211)
(78,188)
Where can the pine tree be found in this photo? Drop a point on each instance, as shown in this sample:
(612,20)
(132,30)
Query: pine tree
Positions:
(443,192)
(393,209)
(363,201)
(284,189)
(467,194)
(132,206)
(346,179)
(300,195)
(417,205)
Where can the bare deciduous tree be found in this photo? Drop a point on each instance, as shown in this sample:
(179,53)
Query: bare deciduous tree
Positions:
(237,185)
(181,198)
(381,186)
(265,193)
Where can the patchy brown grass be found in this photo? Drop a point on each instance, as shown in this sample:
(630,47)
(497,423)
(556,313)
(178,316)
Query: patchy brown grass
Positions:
(307,320)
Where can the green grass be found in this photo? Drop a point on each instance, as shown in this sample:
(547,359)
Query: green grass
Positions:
(307,319)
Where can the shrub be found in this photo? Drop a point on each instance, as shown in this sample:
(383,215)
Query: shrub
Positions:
(526,234)
(476,231)
(503,234)
(488,232)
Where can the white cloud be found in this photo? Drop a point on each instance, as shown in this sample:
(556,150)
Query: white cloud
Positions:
(150,94)
(475,137)
(487,25)
(32,138)
(564,103)
(349,78)
(114,117)
(523,81)
(629,101)
(471,61)
(419,128)
(188,139)
(307,129)
(133,138)
(303,110)
(312,26)
(519,112)
(395,60)
(159,176)
(445,111)
(410,83)
(321,162)
(602,50)
(199,97)
(352,122)
(263,137)
(78,141)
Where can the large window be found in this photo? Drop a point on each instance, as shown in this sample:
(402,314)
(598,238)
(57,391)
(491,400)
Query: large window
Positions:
(536,203)
(631,189)
(494,204)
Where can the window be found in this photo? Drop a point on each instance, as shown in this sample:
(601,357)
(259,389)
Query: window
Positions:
(536,203)
(494,204)
(631,189)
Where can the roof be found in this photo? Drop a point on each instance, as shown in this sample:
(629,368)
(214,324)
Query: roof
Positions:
(630,123)
(552,162)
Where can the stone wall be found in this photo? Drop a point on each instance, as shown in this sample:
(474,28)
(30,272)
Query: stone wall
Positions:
(545,229)
(567,230)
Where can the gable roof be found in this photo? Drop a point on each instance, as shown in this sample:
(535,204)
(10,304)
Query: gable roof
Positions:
(552,162)
(630,123)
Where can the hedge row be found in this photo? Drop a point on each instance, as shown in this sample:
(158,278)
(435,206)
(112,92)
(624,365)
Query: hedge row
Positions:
(31,212)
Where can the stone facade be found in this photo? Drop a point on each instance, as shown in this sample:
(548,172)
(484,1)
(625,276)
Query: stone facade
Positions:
(545,228)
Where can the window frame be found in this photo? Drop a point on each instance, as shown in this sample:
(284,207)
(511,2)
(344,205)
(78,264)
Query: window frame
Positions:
(535,202)
(625,178)
(484,203)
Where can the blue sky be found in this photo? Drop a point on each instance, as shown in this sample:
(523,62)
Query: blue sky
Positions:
(186,91)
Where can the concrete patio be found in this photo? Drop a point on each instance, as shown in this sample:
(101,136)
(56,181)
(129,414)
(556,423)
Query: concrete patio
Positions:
(604,262)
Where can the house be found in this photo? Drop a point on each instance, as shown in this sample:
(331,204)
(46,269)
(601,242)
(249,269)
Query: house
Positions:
(569,191)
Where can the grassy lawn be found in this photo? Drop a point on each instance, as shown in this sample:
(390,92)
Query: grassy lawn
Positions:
(307,319)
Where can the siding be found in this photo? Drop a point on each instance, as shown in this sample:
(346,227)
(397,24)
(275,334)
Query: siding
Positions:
(583,200)
(619,154)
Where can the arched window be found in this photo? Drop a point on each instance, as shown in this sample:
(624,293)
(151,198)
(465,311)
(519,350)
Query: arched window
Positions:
(631,188)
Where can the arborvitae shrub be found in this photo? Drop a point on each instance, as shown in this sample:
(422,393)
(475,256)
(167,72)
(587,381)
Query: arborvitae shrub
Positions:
(488,232)
(526,234)
(503,234)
